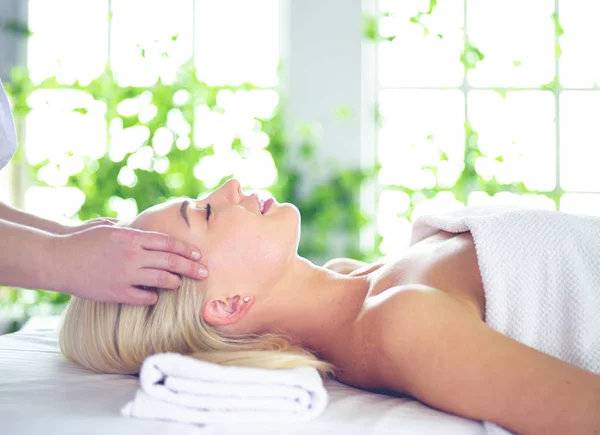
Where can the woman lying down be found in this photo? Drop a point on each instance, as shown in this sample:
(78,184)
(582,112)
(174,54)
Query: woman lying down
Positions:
(491,313)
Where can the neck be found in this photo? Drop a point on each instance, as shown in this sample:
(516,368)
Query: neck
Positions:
(314,306)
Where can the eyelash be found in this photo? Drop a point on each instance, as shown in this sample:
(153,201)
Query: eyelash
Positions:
(208,211)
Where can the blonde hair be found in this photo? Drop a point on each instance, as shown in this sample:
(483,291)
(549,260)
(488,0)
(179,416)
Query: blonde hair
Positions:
(116,338)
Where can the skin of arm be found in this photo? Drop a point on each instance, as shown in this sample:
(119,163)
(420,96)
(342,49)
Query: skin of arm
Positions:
(450,359)
(344,266)
(10,214)
(27,266)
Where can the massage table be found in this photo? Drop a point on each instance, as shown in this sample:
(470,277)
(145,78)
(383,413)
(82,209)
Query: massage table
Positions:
(41,392)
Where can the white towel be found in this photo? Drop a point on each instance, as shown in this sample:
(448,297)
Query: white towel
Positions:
(541,276)
(180,388)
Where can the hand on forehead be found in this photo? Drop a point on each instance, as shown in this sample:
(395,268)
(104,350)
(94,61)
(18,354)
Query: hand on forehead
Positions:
(163,218)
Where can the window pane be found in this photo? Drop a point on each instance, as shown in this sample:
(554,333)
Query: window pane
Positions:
(54,129)
(581,203)
(580,140)
(443,202)
(478,199)
(516,136)
(237,118)
(421,128)
(393,243)
(54,203)
(414,58)
(406,7)
(392,221)
(580,60)
(69,41)
(517,40)
(237,41)
(150,40)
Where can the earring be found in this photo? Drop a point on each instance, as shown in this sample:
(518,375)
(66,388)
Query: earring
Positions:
(247,298)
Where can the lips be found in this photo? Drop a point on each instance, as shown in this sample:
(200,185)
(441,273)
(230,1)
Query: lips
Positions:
(263,204)
(268,204)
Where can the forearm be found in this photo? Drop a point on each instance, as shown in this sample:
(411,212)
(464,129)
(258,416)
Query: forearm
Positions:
(567,403)
(453,361)
(13,215)
(27,257)
(481,374)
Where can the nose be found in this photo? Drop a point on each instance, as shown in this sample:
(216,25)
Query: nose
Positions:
(232,189)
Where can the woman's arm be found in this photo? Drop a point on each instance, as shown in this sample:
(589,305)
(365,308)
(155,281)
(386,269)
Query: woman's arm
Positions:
(451,360)
(19,217)
(15,216)
(344,266)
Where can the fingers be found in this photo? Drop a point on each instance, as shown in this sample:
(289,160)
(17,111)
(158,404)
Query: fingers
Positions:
(174,263)
(96,223)
(155,278)
(161,242)
(135,296)
(107,221)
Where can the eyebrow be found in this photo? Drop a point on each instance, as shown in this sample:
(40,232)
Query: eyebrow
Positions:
(183,211)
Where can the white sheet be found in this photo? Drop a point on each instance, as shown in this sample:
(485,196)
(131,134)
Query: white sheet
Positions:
(43,393)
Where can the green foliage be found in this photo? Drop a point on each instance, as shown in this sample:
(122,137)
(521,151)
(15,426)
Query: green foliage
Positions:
(470,180)
(370,29)
(417,19)
(15,27)
(551,85)
(371,24)
(558,32)
(471,56)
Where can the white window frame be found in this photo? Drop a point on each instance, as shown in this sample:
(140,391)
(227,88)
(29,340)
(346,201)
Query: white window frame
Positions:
(327,64)
(465,88)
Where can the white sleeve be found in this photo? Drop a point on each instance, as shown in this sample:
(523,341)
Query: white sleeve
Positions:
(8,137)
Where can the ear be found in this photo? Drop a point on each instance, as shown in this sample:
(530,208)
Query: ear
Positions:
(217,312)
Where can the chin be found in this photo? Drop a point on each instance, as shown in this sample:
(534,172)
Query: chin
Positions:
(294,209)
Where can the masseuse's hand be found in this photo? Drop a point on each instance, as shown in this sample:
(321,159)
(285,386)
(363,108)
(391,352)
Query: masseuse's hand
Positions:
(109,263)
(64,229)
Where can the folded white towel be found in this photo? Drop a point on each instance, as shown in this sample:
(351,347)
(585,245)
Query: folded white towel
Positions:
(181,388)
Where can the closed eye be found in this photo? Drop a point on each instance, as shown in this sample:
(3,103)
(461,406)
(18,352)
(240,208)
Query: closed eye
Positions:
(208,211)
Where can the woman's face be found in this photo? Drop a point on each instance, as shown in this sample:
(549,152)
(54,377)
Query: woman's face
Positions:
(243,249)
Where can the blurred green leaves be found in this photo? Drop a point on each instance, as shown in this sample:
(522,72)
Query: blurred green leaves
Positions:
(15,27)
(471,56)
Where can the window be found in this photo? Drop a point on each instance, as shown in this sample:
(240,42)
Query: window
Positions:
(486,102)
(142,41)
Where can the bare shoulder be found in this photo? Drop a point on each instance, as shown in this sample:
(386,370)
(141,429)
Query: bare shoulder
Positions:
(405,321)
(406,310)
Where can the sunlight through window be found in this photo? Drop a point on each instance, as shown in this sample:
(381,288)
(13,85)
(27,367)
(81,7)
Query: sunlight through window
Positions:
(481,103)
(230,42)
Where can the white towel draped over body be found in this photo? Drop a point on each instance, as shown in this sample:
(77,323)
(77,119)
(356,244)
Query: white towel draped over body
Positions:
(541,276)
(181,388)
